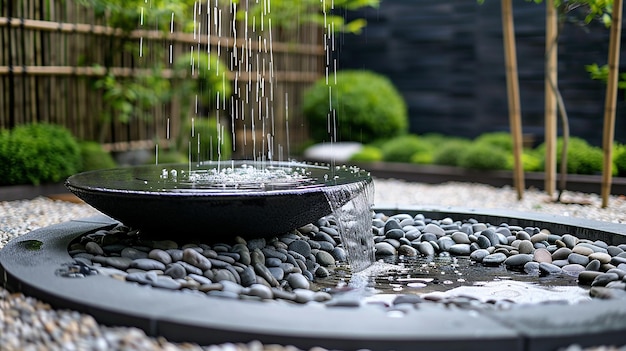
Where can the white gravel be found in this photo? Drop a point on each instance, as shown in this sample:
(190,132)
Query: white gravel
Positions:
(29,324)
(479,196)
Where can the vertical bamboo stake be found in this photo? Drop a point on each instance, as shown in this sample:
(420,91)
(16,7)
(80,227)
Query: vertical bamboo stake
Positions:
(550,131)
(512,84)
(610,102)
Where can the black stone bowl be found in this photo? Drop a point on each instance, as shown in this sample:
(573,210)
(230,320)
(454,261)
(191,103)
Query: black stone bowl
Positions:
(144,197)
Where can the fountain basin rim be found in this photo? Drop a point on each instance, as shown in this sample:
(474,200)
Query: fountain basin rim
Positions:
(191,193)
(82,182)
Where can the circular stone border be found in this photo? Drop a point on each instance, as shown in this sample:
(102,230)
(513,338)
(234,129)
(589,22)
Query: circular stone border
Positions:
(28,264)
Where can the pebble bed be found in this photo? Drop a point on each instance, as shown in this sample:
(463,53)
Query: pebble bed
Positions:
(30,324)
(286,267)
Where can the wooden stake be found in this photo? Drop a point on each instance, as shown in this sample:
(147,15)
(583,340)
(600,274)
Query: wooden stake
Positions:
(550,131)
(512,84)
(610,102)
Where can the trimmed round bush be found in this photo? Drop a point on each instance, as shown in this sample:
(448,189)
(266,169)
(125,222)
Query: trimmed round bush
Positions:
(38,153)
(531,161)
(503,140)
(483,156)
(450,152)
(213,144)
(582,158)
(367,106)
(94,157)
(404,148)
(619,159)
(368,154)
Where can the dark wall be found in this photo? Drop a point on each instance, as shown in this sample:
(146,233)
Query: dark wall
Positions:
(447,59)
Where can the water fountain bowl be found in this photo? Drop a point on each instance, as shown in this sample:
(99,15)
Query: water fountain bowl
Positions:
(244,198)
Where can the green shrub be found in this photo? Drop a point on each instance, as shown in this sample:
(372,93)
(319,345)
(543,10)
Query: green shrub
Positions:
(404,148)
(207,78)
(531,161)
(582,158)
(449,153)
(38,153)
(168,156)
(503,140)
(619,159)
(368,154)
(94,157)
(213,144)
(422,158)
(367,106)
(484,156)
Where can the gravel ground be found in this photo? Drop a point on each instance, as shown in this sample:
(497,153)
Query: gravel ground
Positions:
(29,324)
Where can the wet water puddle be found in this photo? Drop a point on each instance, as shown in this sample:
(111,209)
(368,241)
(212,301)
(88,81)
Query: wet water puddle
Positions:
(453,279)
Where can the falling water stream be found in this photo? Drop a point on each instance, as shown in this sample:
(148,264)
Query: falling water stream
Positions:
(251,60)
(354,222)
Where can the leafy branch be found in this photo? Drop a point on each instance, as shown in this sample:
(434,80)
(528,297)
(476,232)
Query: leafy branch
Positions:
(289,14)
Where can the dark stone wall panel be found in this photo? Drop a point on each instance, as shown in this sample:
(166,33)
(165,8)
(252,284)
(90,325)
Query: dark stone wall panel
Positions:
(447,59)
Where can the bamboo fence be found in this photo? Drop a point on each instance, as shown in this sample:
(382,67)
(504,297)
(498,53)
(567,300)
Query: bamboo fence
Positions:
(53,51)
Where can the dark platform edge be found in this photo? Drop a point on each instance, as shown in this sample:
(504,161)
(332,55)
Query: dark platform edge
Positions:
(211,320)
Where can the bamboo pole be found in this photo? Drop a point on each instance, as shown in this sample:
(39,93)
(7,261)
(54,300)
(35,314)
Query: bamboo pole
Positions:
(610,102)
(512,83)
(309,49)
(286,76)
(551,76)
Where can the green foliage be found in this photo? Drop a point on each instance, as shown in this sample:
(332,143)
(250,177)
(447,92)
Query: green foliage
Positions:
(531,161)
(204,142)
(288,14)
(367,106)
(594,9)
(94,157)
(601,73)
(209,78)
(422,158)
(129,98)
(619,159)
(503,140)
(37,153)
(601,10)
(483,156)
(404,148)
(368,154)
(127,14)
(582,158)
(132,98)
(449,153)
(169,156)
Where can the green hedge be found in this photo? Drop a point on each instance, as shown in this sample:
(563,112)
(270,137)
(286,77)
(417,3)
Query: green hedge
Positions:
(490,151)
(483,156)
(449,153)
(368,154)
(367,105)
(38,153)
(582,158)
(619,159)
(94,157)
(404,148)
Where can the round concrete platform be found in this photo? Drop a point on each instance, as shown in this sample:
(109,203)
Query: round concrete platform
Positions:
(28,265)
